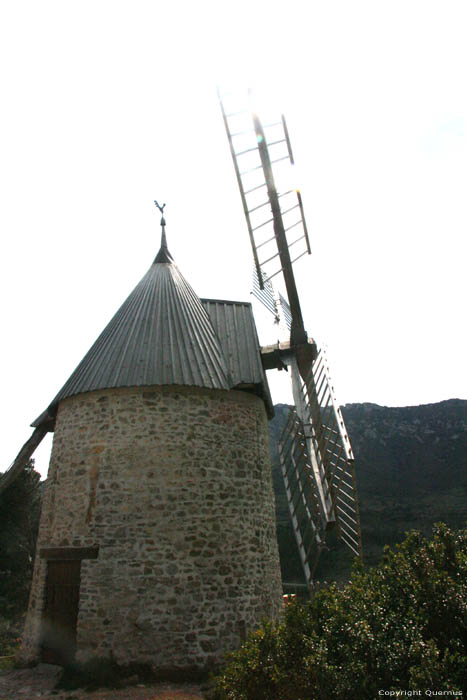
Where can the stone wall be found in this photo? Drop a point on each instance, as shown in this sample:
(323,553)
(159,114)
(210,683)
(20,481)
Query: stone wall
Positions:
(173,484)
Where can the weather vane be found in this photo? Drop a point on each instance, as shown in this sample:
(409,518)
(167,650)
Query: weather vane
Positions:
(161,209)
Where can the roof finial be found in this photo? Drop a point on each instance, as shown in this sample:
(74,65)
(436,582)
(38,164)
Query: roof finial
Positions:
(161,209)
(163,255)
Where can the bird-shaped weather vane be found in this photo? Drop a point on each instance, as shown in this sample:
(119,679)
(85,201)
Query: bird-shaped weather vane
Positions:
(161,209)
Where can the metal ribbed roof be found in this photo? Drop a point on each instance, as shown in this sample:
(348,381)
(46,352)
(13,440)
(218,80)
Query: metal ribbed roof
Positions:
(163,334)
(235,327)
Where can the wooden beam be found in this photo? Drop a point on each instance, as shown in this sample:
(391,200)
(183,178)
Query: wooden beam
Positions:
(23,457)
(68,553)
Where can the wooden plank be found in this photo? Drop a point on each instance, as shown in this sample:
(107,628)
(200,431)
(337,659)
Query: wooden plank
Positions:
(68,553)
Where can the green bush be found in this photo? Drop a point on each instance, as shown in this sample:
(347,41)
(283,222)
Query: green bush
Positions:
(399,626)
(9,641)
(20,505)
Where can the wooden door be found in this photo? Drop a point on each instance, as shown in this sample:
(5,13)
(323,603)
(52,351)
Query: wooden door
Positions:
(58,634)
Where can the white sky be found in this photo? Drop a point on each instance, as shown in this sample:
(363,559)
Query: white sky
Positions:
(107,106)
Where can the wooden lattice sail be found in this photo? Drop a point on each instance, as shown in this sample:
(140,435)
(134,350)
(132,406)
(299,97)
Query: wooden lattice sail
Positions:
(316,457)
(317,465)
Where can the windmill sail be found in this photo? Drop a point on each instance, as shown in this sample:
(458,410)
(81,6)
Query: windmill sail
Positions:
(317,466)
(330,449)
(303,504)
(273,207)
(264,292)
(284,305)
(316,458)
(262,154)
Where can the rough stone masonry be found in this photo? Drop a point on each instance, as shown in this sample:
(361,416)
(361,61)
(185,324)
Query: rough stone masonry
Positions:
(171,486)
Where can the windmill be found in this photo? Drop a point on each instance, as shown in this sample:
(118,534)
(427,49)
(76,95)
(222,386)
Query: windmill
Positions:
(316,457)
(157,541)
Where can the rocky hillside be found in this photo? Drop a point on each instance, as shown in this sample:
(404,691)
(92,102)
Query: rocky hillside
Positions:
(411,472)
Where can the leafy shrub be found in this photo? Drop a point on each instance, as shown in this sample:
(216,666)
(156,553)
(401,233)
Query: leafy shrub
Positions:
(20,505)
(401,625)
(10,641)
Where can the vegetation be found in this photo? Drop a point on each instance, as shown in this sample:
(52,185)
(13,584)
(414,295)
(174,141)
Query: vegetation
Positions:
(20,505)
(398,626)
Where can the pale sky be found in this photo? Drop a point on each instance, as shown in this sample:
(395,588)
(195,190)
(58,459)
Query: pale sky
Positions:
(106,106)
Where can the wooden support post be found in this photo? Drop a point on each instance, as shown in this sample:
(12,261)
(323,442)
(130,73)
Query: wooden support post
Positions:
(24,455)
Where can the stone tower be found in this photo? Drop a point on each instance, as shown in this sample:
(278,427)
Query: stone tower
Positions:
(157,537)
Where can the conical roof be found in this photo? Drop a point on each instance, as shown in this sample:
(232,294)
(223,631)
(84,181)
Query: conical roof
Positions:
(161,335)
